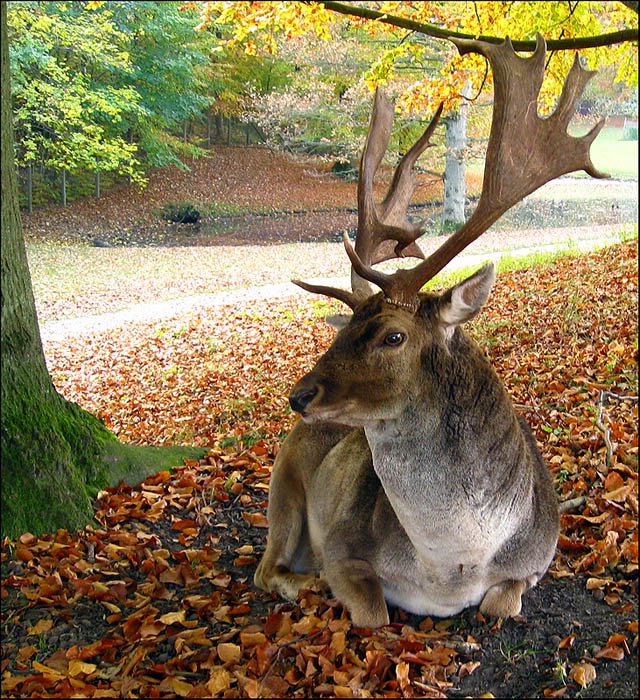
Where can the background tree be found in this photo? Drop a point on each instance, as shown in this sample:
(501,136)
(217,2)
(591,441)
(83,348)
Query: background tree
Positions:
(112,90)
(55,456)
(67,111)
(168,60)
(414,33)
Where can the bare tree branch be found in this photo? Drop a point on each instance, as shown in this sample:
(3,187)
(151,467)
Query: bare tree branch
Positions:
(577,43)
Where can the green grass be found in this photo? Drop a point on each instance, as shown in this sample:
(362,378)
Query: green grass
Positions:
(609,154)
(508,263)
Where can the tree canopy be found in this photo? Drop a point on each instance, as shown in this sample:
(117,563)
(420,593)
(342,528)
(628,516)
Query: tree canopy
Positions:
(107,89)
(108,86)
(603,31)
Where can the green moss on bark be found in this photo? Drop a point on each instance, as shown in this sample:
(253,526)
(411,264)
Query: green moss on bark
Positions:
(56,457)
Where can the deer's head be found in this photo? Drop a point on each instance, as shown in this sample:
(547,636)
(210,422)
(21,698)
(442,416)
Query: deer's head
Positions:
(378,358)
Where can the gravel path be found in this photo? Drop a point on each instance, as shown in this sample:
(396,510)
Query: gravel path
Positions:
(150,312)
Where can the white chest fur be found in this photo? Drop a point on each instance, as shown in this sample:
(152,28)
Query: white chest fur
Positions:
(453,530)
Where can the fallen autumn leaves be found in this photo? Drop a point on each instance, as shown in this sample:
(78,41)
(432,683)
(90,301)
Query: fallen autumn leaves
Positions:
(157,601)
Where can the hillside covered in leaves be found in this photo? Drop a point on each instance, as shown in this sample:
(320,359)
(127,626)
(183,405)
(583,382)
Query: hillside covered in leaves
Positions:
(157,599)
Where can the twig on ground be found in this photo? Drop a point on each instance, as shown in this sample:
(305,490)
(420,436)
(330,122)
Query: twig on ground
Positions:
(572,503)
(606,431)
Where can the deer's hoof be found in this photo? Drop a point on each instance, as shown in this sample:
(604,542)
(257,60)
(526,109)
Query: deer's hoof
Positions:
(503,599)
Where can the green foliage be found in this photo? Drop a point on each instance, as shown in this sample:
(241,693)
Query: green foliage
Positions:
(65,113)
(322,103)
(107,88)
(180,213)
(167,62)
(335,60)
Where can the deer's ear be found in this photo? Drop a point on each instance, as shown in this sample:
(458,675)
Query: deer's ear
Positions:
(338,321)
(464,301)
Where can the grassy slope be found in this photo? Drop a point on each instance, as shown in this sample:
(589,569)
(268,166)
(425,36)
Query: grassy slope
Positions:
(612,155)
(609,153)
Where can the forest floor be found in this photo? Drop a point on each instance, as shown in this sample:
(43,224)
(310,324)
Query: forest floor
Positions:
(157,598)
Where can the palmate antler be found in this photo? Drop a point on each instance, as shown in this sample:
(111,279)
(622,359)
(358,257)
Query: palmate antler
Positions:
(384,230)
(524,152)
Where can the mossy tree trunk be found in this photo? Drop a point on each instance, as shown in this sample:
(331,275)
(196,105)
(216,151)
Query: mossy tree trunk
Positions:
(55,455)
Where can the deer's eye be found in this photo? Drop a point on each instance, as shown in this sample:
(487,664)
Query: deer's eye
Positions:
(394,339)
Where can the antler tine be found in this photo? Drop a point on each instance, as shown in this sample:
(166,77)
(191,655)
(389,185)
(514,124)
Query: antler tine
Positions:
(396,203)
(380,279)
(524,152)
(351,299)
(378,225)
(384,231)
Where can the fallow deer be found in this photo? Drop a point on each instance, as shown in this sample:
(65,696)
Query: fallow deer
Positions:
(411,478)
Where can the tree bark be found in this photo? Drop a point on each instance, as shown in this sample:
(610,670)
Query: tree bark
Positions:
(55,455)
(63,187)
(455,186)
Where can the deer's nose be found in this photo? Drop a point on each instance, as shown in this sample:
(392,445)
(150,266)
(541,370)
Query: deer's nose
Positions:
(301,399)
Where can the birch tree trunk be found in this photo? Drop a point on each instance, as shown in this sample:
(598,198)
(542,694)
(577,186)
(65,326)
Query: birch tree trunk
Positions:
(455,186)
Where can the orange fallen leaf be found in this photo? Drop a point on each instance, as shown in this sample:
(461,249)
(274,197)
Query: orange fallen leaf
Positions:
(27,652)
(77,668)
(24,554)
(173,617)
(245,560)
(568,641)
(219,680)
(251,639)
(613,652)
(468,668)
(40,627)
(245,549)
(185,525)
(256,519)
(50,673)
(228,652)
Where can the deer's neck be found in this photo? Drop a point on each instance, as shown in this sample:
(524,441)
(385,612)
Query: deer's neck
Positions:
(456,432)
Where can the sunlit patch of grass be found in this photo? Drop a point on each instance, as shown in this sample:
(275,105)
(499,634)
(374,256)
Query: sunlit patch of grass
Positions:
(611,154)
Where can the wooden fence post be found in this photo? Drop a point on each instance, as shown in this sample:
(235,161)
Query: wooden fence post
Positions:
(29,189)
